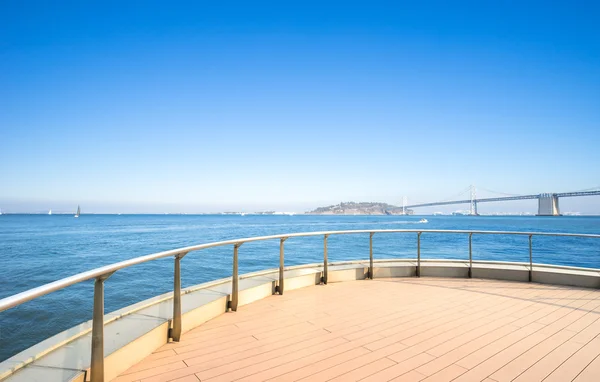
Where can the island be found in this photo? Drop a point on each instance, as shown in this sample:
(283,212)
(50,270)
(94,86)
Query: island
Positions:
(360,208)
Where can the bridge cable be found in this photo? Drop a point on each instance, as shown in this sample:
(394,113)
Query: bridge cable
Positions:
(456,195)
(497,192)
(451,198)
(588,189)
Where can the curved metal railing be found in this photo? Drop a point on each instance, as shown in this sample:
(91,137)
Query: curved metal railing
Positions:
(103,273)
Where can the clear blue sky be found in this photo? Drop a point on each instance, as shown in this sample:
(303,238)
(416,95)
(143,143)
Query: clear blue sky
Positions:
(197,107)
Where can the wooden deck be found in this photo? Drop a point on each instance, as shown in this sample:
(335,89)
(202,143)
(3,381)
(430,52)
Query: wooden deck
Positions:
(402,329)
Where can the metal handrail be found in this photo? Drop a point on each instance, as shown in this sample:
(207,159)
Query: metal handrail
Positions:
(20,298)
(103,273)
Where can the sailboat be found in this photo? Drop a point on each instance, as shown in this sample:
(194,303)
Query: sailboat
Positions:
(0,211)
(78,212)
(50,212)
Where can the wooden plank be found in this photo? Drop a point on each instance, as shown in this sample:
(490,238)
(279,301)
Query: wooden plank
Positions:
(427,329)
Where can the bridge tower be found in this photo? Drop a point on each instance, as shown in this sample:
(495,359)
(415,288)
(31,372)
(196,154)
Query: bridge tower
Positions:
(548,205)
(473,201)
(404,205)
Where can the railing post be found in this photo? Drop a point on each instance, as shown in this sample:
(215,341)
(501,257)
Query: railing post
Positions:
(235,279)
(471,255)
(371,255)
(419,254)
(97,364)
(530,260)
(175,333)
(280,286)
(324,279)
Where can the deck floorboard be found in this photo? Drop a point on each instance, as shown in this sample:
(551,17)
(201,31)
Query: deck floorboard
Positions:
(400,329)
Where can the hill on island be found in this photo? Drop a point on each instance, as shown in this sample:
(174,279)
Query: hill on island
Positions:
(360,208)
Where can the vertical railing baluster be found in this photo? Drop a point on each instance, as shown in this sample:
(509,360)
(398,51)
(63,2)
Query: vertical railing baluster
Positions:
(235,279)
(97,367)
(97,361)
(419,254)
(471,255)
(371,255)
(176,327)
(530,260)
(325,260)
(280,286)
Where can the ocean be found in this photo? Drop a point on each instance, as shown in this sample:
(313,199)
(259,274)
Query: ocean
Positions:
(38,249)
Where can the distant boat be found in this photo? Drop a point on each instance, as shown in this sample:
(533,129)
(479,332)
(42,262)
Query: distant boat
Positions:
(0,211)
(423,221)
(50,212)
(78,212)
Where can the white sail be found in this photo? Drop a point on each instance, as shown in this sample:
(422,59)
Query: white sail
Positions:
(78,212)
(50,212)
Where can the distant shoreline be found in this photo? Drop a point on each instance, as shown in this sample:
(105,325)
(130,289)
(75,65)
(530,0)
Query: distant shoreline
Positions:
(283,214)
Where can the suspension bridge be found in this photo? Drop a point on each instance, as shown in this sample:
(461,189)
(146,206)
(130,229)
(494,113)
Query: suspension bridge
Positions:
(547,202)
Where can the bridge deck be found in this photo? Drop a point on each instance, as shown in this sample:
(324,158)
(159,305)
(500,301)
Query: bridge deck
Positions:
(402,329)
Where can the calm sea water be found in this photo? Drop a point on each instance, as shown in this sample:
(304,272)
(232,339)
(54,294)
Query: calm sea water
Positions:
(38,249)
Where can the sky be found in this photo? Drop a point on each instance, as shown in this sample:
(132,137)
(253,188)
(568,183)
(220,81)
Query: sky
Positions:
(211,106)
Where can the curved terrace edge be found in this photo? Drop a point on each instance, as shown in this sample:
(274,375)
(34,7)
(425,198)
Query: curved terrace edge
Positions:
(128,341)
